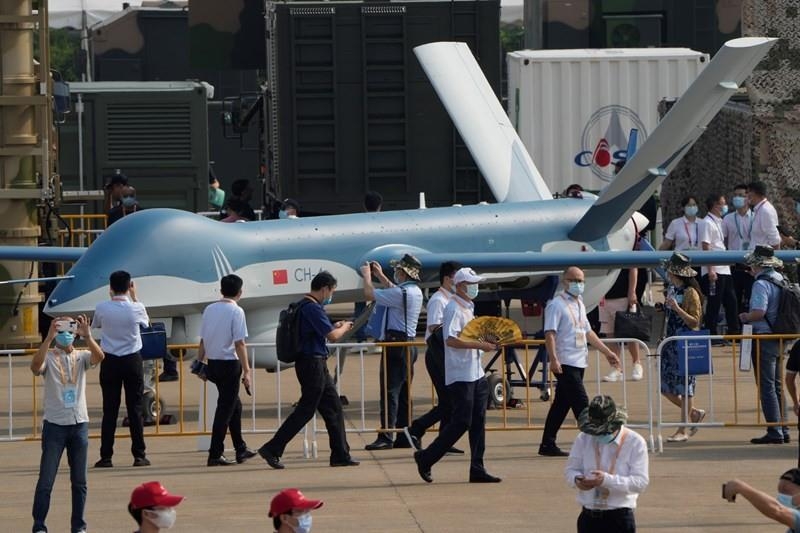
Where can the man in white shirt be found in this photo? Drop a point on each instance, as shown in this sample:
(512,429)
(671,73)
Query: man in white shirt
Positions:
(434,358)
(566,331)
(401,299)
(716,281)
(765,218)
(608,464)
(466,385)
(222,345)
(120,319)
(66,419)
(738,227)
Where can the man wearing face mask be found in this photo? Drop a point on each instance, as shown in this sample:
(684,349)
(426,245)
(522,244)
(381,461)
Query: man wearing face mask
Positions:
(153,507)
(765,217)
(466,384)
(394,320)
(783,509)
(738,227)
(317,390)
(127,206)
(716,280)
(566,332)
(66,419)
(290,511)
(289,209)
(608,464)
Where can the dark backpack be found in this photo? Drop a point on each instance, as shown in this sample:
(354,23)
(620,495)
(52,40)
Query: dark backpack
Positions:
(287,336)
(788,320)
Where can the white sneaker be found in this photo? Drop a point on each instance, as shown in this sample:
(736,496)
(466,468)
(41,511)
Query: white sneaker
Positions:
(614,375)
(638,372)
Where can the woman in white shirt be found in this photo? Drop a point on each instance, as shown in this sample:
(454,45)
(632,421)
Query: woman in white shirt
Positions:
(683,233)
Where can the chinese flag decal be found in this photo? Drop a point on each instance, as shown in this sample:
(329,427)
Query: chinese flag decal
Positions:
(280,277)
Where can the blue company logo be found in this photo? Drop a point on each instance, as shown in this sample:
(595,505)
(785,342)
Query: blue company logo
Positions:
(604,140)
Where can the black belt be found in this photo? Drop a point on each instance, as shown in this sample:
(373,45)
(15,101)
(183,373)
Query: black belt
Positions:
(126,355)
(597,513)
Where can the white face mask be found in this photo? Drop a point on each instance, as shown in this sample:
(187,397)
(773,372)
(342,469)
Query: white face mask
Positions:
(303,523)
(576,288)
(472,291)
(161,518)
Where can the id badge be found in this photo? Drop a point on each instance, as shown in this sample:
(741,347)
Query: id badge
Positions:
(580,339)
(601,497)
(70,395)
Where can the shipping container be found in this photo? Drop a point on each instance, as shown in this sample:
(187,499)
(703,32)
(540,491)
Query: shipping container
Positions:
(576,110)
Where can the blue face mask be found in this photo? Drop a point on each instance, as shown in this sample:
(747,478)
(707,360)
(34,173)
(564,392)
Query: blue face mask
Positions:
(576,288)
(283,214)
(303,523)
(724,210)
(64,338)
(216,197)
(738,202)
(786,500)
(472,291)
(128,201)
(396,278)
(690,210)
(327,300)
(797,207)
(604,439)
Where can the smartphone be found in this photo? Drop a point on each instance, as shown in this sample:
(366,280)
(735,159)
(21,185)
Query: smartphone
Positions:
(67,325)
(725,496)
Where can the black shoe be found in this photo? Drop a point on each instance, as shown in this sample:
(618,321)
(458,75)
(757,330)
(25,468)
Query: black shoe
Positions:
(787,439)
(402,442)
(272,460)
(766,439)
(552,451)
(244,454)
(379,444)
(104,463)
(455,451)
(483,477)
(415,441)
(167,376)
(220,461)
(345,462)
(424,471)
(141,461)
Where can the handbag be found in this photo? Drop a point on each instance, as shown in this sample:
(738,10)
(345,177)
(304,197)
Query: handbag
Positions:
(154,340)
(699,353)
(633,325)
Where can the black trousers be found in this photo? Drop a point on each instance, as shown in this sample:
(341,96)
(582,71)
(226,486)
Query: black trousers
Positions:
(742,286)
(116,373)
(225,374)
(317,393)
(725,296)
(610,521)
(441,411)
(469,401)
(570,394)
(395,387)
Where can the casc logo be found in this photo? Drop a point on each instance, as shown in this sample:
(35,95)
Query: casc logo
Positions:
(605,139)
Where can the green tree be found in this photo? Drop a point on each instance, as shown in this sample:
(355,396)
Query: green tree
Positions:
(65,45)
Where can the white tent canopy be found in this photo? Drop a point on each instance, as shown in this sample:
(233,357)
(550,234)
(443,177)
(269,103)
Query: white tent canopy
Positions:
(67,13)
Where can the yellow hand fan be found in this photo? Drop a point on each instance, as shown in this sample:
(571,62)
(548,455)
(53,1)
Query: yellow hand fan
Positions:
(493,329)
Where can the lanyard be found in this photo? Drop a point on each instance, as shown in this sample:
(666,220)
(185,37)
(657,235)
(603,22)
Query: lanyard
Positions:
(750,216)
(71,365)
(696,233)
(613,464)
(573,318)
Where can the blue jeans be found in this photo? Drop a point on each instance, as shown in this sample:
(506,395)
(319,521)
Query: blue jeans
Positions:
(770,387)
(55,438)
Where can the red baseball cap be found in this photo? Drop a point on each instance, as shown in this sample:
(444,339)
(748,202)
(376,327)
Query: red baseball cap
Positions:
(153,494)
(289,499)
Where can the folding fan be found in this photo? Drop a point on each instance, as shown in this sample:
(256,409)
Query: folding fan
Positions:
(496,330)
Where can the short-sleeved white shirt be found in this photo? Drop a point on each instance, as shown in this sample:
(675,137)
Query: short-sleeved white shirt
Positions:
(712,232)
(392,299)
(737,229)
(684,233)
(435,309)
(566,315)
(61,370)
(119,319)
(223,324)
(765,226)
(459,364)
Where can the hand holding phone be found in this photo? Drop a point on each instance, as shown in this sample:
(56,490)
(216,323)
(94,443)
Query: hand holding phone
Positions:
(246,387)
(728,493)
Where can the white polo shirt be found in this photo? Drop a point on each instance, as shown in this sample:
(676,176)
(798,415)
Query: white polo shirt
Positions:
(684,233)
(765,225)
(566,315)
(459,364)
(712,232)
(738,229)
(435,309)
(65,386)
(119,319)
(223,324)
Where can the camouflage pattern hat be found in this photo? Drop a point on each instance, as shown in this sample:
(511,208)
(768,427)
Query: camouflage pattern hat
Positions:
(602,416)
(408,264)
(764,257)
(680,265)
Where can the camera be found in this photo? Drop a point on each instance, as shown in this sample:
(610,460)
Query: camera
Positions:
(199,369)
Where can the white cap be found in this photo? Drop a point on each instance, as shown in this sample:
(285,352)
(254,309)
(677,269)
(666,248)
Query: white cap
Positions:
(467,275)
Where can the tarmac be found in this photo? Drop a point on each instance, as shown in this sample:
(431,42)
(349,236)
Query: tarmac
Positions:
(385,493)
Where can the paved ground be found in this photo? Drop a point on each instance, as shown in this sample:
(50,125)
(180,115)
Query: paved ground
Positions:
(385,494)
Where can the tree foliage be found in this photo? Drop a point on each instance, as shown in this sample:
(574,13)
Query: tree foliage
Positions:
(65,46)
